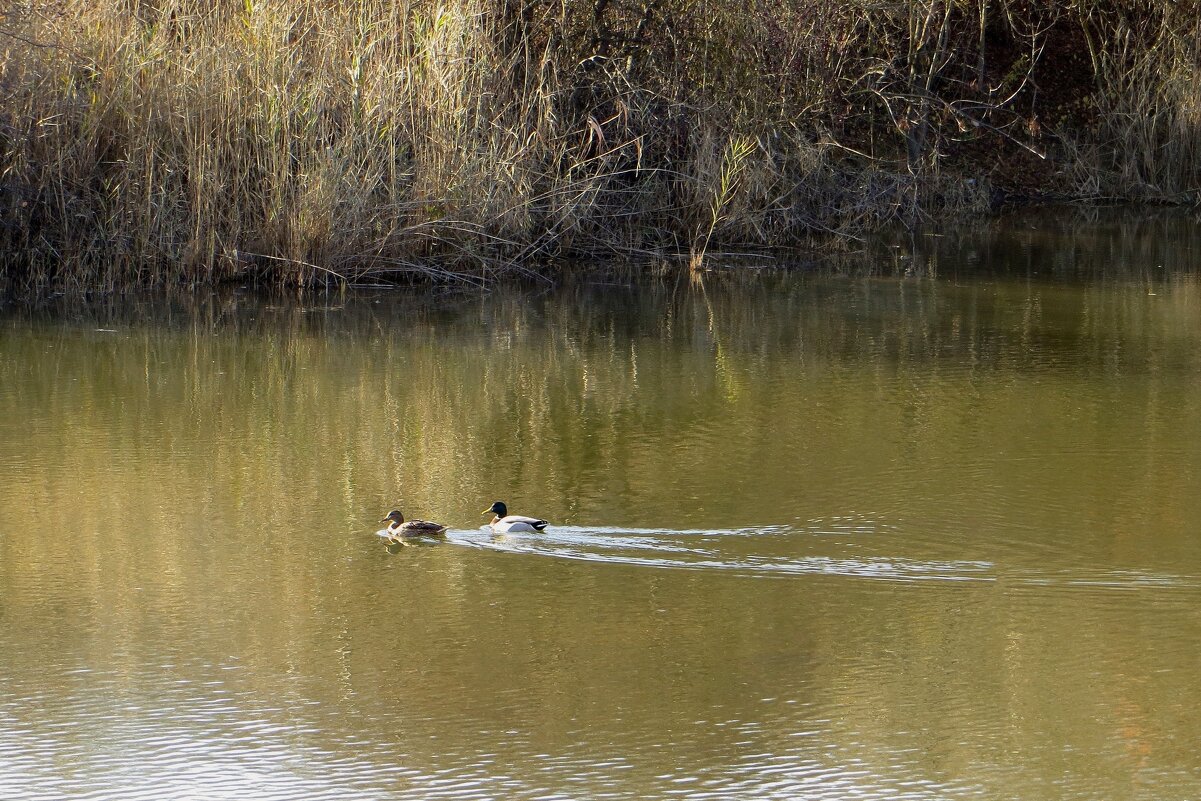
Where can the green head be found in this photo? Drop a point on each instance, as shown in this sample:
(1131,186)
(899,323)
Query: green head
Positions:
(499,509)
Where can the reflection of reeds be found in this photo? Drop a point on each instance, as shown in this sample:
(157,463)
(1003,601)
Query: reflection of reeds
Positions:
(251,418)
(217,478)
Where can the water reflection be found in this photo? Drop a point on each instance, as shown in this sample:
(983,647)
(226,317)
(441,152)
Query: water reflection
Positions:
(819,536)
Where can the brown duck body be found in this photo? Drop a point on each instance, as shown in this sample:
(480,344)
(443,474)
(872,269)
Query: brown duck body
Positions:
(398,527)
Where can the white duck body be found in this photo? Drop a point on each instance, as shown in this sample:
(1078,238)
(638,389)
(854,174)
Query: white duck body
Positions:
(517,523)
(503,522)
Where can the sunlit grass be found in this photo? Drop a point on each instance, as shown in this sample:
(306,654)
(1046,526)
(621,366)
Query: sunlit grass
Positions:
(179,141)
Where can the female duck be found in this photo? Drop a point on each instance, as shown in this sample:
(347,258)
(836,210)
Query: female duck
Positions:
(413,528)
(503,522)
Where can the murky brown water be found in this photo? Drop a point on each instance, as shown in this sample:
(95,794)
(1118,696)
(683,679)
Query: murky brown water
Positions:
(927,529)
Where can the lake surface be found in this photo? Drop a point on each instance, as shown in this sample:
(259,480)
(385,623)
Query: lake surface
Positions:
(924,527)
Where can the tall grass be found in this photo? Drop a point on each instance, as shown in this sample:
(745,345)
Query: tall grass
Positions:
(150,142)
(1148,142)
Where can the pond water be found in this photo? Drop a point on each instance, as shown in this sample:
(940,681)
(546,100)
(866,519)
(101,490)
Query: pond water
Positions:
(926,527)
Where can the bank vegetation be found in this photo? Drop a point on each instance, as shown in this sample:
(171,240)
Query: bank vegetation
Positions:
(166,142)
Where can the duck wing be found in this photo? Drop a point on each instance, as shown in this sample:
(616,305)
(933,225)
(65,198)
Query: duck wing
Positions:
(532,522)
(415,528)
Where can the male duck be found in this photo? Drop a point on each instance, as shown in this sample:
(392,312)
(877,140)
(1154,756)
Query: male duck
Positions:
(503,522)
(413,528)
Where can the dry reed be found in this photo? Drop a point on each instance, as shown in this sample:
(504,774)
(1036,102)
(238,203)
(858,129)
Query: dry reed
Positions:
(154,142)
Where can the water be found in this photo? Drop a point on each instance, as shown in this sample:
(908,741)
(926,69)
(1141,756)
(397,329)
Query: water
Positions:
(923,528)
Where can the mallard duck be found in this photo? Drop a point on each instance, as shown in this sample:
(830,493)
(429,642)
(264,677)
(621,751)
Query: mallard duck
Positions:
(502,521)
(413,528)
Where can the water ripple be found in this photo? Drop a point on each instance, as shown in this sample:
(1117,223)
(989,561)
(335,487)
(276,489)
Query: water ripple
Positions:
(700,549)
(709,549)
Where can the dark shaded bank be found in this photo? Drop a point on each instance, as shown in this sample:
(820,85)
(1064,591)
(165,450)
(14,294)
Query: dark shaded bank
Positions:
(180,143)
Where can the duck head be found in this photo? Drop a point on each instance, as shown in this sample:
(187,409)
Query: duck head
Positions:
(499,509)
(395,516)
